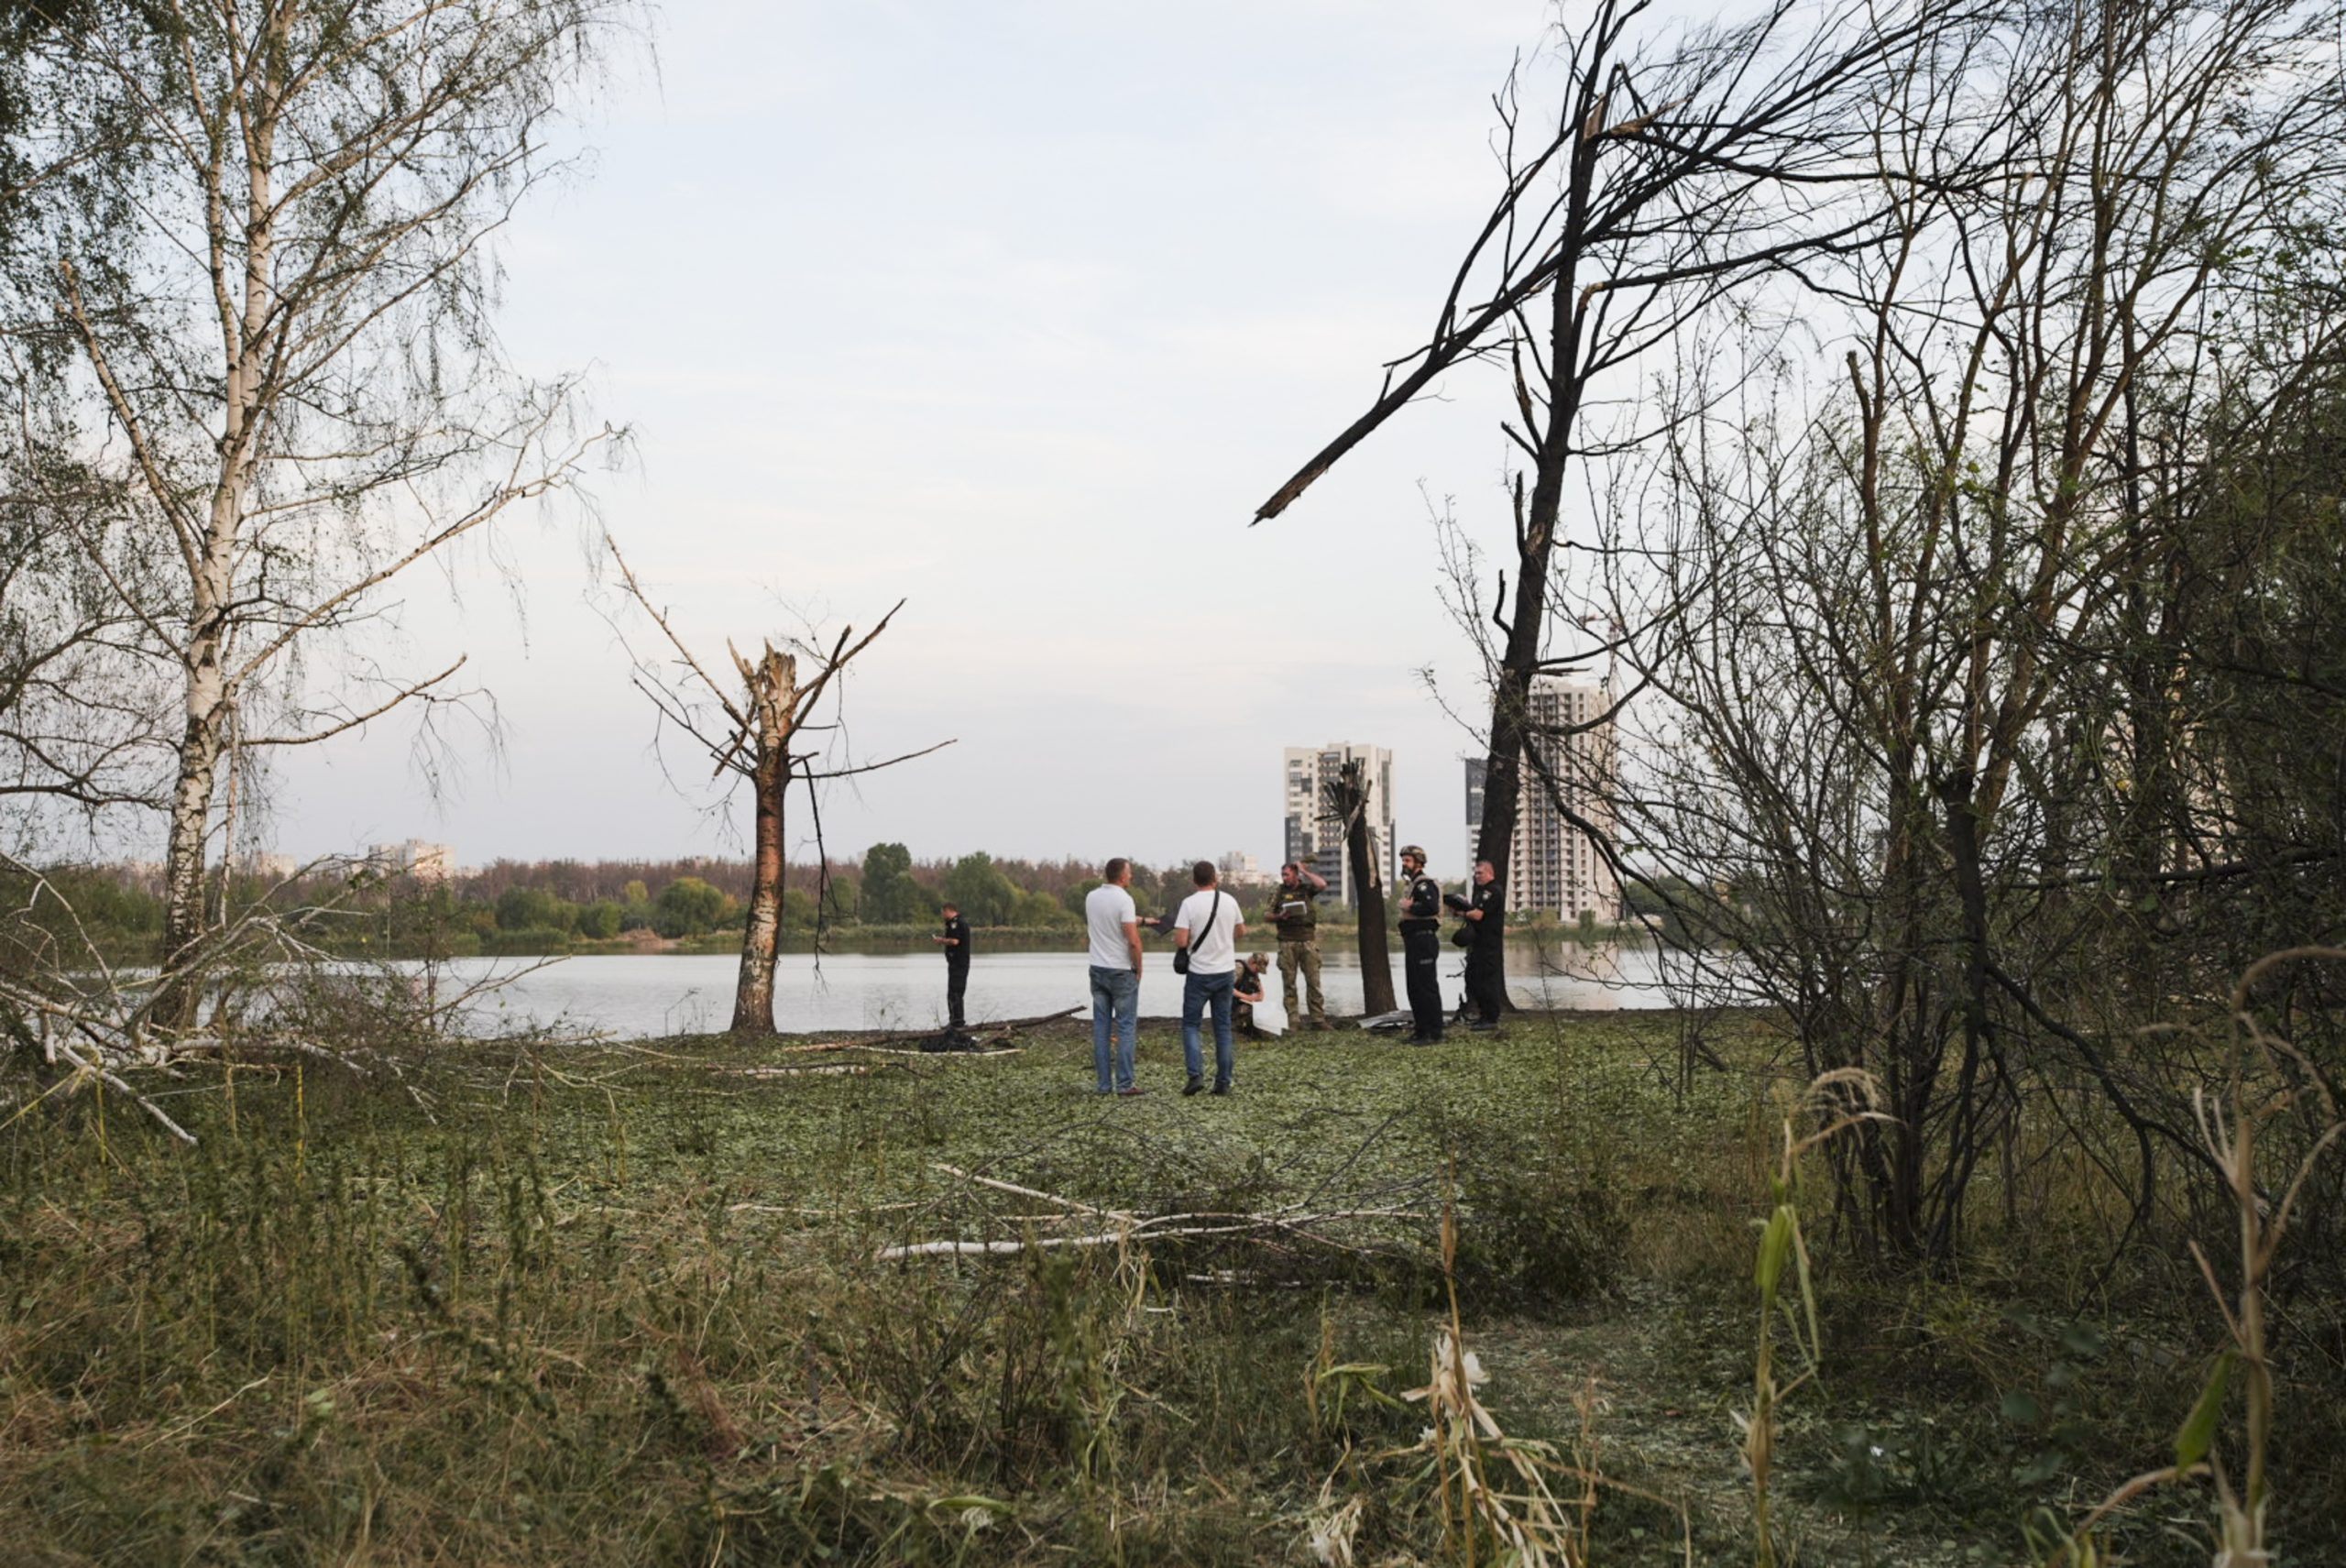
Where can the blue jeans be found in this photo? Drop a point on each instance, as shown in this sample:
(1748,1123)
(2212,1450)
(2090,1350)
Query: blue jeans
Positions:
(1199,990)
(1115,999)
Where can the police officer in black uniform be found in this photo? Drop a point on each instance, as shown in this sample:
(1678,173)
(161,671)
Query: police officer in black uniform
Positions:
(955,940)
(1422,945)
(1486,917)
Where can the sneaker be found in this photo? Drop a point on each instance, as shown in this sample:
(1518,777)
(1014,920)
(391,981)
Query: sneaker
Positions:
(1222,1089)
(1128,1093)
(1482,1026)
(1195,1086)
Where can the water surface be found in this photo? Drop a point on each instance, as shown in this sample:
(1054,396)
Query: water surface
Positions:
(633,995)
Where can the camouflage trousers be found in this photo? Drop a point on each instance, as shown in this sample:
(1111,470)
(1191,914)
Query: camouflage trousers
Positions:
(1305,956)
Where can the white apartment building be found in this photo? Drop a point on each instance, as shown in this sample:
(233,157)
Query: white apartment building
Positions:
(414,858)
(1318,841)
(1240,870)
(1551,865)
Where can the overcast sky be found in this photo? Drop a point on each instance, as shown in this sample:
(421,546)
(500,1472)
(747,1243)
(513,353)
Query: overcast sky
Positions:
(1016,312)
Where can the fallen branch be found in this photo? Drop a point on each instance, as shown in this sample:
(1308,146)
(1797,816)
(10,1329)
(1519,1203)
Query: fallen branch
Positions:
(107,1076)
(1163,1226)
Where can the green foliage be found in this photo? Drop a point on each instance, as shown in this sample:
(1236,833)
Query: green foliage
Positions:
(600,919)
(1040,910)
(689,906)
(1544,1236)
(845,896)
(986,897)
(47,920)
(531,908)
(1073,898)
(890,896)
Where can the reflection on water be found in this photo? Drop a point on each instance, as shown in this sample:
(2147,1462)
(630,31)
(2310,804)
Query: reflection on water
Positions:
(650,994)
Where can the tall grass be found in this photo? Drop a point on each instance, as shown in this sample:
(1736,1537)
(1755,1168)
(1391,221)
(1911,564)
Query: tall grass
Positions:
(626,1307)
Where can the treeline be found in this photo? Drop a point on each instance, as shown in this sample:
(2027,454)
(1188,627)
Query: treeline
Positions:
(531,907)
(514,906)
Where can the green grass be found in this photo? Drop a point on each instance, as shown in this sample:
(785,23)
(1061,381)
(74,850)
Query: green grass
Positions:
(622,1306)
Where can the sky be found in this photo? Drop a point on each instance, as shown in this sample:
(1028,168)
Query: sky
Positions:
(1015,311)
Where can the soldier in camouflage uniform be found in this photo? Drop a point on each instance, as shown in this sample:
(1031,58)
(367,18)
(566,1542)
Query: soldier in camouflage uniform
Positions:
(1298,924)
(1246,995)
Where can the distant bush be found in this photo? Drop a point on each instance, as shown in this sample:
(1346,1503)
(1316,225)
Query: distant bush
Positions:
(689,906)
(531,908)
(600,919)
(1039,909)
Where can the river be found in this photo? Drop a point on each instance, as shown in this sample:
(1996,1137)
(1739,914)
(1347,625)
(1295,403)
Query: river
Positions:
(635,995)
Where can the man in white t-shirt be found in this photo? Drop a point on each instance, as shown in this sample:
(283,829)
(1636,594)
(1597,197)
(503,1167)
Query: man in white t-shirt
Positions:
(1207,928)
(1115,977)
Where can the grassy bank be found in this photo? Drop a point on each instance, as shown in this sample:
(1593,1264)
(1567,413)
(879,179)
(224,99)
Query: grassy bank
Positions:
(625,1306)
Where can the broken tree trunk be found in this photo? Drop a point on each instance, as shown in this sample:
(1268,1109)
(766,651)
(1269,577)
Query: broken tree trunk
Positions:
(1349,797)
(772,686)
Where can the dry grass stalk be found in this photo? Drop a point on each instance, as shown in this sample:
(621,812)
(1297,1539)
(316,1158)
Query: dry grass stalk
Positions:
(1780,1242)
(1494,1486)
(2268,1078)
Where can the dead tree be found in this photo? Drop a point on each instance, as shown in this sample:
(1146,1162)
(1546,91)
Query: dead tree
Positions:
(753,736)
(1345,798)
(1671,177)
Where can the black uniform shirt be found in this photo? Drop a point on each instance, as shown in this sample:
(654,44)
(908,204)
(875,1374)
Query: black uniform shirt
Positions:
(958,955)
(1421,904)
(1491,899)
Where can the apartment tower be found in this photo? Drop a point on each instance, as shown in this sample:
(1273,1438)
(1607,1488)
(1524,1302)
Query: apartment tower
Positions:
(1551,865)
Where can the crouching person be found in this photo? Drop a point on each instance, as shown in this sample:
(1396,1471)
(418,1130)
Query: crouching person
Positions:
(1246,992)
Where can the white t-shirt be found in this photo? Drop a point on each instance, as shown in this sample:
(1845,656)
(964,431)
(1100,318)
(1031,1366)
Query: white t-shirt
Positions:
(1108,909)
(1217,951)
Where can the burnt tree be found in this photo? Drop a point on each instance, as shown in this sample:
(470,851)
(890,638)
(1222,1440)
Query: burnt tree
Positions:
(1346,799)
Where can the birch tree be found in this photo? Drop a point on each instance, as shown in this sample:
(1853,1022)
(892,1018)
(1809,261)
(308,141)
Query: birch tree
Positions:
(290,354)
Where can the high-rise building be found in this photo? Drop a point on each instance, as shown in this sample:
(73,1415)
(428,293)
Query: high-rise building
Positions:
(1551,865)
(1318,839)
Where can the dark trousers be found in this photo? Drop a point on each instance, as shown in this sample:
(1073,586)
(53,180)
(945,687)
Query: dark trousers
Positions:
(1487,981)
(956,980)
(1420,971)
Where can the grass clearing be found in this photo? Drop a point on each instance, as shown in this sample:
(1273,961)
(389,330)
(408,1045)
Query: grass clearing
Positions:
(622,1305)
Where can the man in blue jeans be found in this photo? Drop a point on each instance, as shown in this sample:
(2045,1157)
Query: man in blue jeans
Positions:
(1115,977)
(1207,928)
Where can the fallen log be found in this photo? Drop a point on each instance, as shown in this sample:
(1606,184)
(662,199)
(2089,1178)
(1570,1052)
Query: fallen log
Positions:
(880,1039)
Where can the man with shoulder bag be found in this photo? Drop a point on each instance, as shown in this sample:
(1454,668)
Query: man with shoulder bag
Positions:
(1205,953)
